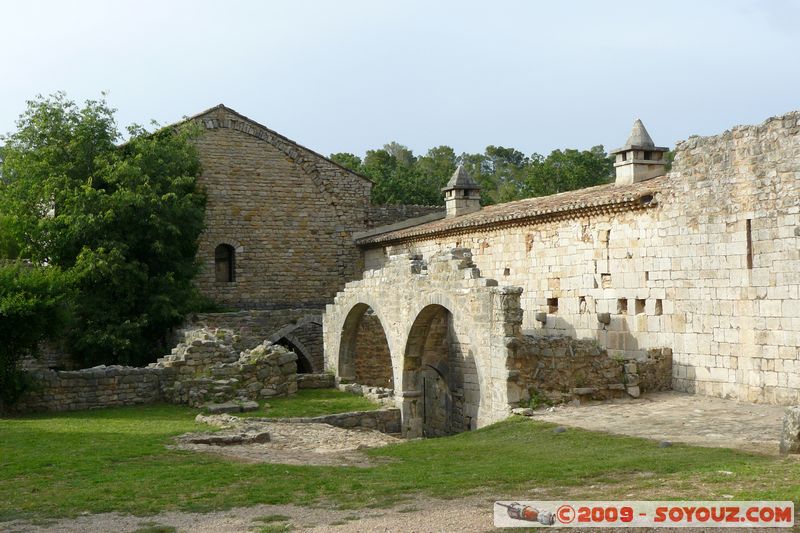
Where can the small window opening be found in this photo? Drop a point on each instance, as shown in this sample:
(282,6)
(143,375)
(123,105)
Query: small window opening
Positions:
(552,305)
(622,306)
(624,156)
(749,244)
(582,305)
(225,263)
(659,307)
(506,271)
(639,306)
(648,156)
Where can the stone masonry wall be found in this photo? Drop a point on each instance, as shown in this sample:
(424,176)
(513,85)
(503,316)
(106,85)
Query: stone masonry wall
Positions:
(288,213)
(383,215)
(712,272)
(206,368)
(102,386)
(373,363)
(559,369)
(302,327)
(203,368)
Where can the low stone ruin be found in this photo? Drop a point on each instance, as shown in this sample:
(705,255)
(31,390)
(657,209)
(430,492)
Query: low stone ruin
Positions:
(556,369)
(207,368)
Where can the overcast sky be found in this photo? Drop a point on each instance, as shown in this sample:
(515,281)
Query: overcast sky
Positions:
(352,75)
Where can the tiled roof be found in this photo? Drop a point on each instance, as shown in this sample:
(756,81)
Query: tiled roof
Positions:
(599,199)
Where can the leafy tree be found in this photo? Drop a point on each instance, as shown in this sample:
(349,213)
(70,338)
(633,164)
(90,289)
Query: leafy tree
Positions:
(347,160)
(567,170)
(32,308)
(123,220)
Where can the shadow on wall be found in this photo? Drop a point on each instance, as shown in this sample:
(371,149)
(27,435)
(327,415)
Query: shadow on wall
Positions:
(440,379)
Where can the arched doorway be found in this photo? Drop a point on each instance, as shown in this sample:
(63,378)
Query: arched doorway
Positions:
(304,365)
(364,356)
(440,379)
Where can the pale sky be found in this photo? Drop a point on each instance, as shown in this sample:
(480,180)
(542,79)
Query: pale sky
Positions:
(347,76)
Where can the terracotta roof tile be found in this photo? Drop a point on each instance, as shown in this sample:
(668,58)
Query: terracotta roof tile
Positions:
(570,204)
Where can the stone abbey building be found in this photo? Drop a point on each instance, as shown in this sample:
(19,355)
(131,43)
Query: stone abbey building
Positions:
(466,313)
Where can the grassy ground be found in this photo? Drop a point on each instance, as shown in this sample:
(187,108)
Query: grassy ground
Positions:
(115,460)
(314,402)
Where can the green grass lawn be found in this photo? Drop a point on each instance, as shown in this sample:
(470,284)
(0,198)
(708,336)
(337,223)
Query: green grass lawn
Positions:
(314,402)
(55,465)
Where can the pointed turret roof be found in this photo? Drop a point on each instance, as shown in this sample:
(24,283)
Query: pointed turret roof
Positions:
(461,180)
(639,139)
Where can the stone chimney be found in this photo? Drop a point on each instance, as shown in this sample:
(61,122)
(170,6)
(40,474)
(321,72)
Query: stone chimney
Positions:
(462,195)
(640,159)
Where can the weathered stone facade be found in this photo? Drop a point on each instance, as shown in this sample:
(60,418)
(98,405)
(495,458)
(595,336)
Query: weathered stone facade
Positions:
(704,261)
(287,212)
(447,330)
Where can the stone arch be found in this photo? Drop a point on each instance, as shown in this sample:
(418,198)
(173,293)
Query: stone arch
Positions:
(305,335)
(305,362)
(364,352)
(441,385)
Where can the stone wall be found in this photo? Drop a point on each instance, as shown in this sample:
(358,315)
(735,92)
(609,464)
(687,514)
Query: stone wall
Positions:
(373,364)
(316,381)
(288,213)
(92,388)
(300,327)
(437,313)
(559,369)
(206,368)
(711,271)
(384,420)
(203,368)
(383,215)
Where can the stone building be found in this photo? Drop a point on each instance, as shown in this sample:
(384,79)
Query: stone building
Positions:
(702,262)
(278,242)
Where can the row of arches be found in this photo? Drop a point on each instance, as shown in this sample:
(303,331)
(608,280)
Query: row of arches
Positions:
(435,376)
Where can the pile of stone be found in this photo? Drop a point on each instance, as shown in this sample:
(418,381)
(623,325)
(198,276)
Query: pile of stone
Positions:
(206,368)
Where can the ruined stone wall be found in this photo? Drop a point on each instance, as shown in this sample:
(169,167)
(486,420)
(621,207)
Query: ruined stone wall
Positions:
(558,369)
(203,368)
(206,368)
(102,386)
(408,296)
(383,215)
(712,272)
(288,213)
(373,364)
(302,327)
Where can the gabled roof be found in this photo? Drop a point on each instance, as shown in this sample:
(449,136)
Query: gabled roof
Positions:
(610,198)
(273,133)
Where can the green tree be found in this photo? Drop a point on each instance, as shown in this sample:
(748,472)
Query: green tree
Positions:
(347,160)
(122,219)
(32,308)
(567,170)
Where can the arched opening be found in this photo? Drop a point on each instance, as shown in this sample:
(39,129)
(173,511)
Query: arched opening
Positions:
(304,365)
(225,263)
(440,379)
(364,356)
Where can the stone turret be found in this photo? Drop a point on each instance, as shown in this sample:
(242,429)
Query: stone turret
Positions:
(640,159)
(461,195)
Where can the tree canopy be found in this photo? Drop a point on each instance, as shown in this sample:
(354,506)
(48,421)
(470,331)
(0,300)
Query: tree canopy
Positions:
(504,173)
(122,220)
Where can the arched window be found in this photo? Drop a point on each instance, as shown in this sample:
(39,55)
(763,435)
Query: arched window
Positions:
(225,263)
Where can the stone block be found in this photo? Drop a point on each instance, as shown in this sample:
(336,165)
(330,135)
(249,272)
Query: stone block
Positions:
(790,434)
